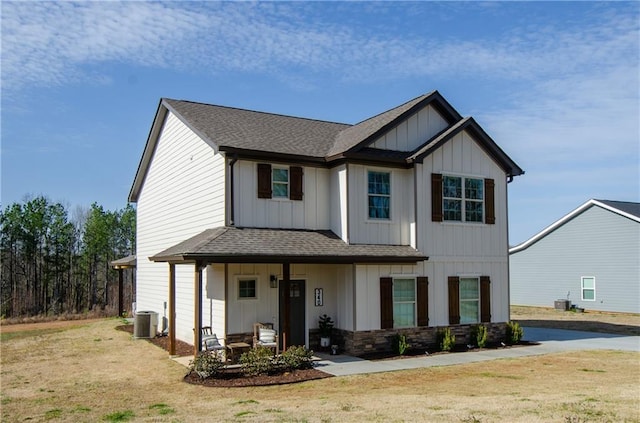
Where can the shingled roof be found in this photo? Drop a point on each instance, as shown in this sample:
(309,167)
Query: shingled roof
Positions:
(231,128)
(240,245)
(259,135)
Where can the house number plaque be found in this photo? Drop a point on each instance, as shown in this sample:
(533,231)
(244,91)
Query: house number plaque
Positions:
(318,295)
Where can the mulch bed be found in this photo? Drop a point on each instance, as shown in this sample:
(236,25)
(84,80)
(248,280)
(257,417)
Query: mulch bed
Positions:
(232,377)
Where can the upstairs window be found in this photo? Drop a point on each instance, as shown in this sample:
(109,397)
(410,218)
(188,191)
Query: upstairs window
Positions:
(280,182)
(379,195)
(462,199)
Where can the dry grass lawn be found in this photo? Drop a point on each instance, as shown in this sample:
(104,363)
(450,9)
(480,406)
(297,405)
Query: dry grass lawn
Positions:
(87,372)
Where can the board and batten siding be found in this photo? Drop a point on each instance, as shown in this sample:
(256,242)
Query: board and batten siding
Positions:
(412,132)
(393,231)
(312,212)
(457,248)
(182,195)
(598,243)
(338,202)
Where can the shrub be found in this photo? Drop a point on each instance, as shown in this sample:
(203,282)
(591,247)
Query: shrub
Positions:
(206,364)
(446,339)
(257,361)
(479,335)
(514,333)
(400,344)
(296,357)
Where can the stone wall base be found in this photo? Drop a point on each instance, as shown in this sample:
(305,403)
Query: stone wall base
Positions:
(382,341)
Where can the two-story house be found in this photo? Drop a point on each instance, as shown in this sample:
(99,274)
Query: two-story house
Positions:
(395,224)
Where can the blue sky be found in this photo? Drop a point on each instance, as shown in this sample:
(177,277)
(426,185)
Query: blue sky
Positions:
(555,84)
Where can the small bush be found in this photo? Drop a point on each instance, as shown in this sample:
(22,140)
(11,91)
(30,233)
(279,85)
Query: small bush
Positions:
(514,333)
(206,364)
(446,339)
(258,361)
(479,335)
(295,358)
(400,344)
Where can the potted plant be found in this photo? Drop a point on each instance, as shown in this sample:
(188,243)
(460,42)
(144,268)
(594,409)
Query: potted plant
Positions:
(325,324)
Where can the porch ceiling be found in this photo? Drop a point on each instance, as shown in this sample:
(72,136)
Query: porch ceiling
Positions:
(254,245)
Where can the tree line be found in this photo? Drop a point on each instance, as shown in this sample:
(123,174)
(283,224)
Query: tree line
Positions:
(54,262)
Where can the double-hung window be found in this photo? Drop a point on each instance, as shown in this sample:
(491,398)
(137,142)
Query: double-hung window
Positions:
(404,302)
(588,285)
(462,199)
(379,195)
(280,182)
(469,300)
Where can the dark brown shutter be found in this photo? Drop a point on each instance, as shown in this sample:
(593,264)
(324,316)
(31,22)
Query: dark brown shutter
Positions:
(489,202)
(295,189)
(264,180)
(436,197)
(485,299)
(386,303)
(423,301)
(454,300)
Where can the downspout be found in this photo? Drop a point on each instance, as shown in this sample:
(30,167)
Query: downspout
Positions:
(233,161)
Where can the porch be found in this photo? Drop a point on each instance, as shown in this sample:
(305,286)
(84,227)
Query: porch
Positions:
(275,257)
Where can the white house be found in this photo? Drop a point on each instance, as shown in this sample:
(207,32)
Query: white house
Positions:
(395,224)
(591,257)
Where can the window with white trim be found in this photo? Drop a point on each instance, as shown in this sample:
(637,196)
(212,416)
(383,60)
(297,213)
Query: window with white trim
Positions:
(469,300)
(379,195)
(247,288)
(404,302)
(462,199)
(280,182)
(588,287)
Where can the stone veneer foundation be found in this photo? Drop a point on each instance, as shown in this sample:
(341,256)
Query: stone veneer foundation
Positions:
(380,341)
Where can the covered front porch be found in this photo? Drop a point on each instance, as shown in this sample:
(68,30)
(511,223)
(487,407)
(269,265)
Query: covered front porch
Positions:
(284,278)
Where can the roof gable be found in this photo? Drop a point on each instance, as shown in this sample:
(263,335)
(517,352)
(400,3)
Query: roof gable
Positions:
(361,135)
(622,208)
(482,138)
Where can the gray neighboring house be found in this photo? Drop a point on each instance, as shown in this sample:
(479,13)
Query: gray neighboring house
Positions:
(591,257)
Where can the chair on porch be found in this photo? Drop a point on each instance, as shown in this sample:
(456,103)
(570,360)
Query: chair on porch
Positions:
(265,337)
(210,341)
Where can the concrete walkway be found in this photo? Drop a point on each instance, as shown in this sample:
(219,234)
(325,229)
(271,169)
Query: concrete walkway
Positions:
(551,341)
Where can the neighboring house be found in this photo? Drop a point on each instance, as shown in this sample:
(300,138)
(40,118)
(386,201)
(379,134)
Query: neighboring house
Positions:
(590,257)
(395,224)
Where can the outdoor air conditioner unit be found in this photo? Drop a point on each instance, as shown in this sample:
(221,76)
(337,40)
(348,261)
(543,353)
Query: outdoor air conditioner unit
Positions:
(145,324)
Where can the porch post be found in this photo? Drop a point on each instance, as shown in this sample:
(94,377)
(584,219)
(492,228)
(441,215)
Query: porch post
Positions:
(197,308)
(172,309)
(286,279)
(120,284)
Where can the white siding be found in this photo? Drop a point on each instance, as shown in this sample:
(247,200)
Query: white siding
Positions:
(413,132)
(310,213)
(182,195)
(456,249)
(242,313)
(596,243)
(397,230)
(454,240)
(338,202)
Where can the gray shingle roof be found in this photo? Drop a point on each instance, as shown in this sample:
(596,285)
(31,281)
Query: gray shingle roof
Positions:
(237,245)
(624,206)
(258,131)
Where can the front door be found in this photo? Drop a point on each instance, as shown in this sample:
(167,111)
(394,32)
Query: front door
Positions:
(296,333)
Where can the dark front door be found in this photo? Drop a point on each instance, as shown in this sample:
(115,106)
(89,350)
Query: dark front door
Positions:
(295,329)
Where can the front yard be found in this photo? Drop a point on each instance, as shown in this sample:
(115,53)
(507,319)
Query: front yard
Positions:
(92,372)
